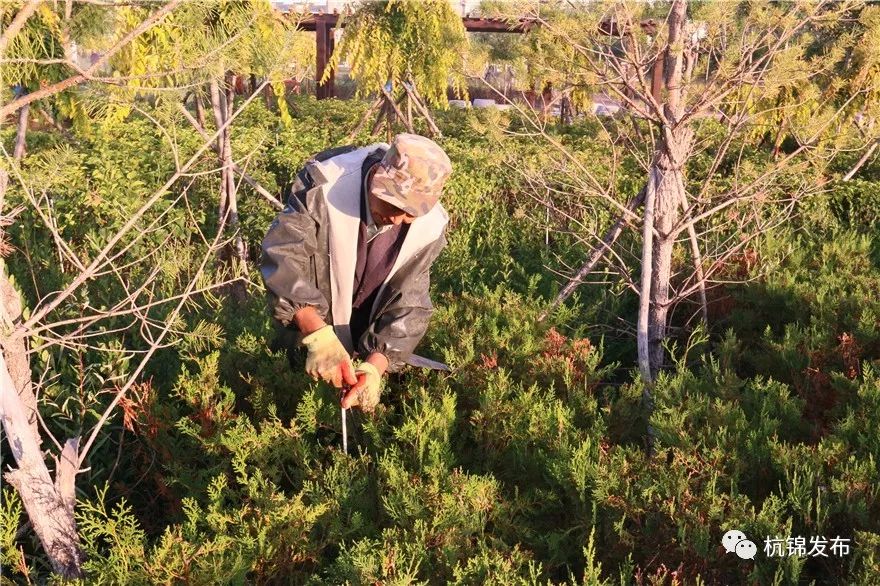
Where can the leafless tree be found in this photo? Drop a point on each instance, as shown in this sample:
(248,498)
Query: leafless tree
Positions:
(49,499)
(673,79)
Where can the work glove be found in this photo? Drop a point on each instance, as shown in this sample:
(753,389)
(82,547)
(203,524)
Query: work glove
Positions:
(365,393)
(327,358)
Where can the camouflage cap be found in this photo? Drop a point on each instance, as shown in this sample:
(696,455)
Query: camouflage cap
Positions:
(411,174)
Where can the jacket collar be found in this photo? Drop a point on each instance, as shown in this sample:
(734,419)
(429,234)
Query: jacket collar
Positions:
(340,180)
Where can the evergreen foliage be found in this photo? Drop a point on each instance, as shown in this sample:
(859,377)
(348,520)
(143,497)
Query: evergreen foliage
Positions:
(523,465)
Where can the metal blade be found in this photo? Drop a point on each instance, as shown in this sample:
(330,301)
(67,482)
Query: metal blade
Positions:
(422,362)
(344,433)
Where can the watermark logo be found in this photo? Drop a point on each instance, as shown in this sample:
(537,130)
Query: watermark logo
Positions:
(736,541)
(817,546)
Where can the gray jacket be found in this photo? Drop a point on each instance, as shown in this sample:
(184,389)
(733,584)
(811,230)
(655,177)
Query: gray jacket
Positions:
(310,252)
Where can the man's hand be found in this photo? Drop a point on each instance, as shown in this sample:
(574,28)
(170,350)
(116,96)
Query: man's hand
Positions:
(328,359)
(365,393)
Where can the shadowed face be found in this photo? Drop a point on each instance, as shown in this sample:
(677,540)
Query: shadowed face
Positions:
(384,213)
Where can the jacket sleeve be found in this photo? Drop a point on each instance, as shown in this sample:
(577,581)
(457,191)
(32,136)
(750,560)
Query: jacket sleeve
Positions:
(287,260)
(400,325)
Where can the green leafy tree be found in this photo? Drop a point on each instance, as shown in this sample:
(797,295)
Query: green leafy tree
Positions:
(397,41)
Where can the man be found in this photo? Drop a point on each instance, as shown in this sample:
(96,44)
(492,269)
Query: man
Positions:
(347,263)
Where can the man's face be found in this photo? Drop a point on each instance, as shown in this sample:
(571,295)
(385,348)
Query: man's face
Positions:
(384,213)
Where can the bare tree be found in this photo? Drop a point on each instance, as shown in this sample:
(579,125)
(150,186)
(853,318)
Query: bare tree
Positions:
(49,499)
(50,504)
(687,84)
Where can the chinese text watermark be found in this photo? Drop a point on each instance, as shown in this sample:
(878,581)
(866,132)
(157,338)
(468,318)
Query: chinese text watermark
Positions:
(735,541)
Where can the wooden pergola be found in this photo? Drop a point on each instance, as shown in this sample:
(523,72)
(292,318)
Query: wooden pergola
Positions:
(323,25)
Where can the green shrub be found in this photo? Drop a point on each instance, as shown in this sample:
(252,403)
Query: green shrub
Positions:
(524,465)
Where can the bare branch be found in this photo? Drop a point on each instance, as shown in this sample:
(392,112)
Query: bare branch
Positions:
(15,26)
(41,312)
(272,200)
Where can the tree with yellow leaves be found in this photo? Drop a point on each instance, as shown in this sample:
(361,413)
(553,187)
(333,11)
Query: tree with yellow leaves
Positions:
(404,49)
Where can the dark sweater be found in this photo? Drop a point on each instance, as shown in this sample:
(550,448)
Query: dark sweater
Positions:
(374,259)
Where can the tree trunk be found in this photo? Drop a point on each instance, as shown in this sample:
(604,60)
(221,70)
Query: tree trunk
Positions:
(397,113)
(665,216)
(689,59)
(239,249)
(777,140)
(662,199)
(18,152)
(657,247)
(221,104)
(219,110)
(391,114)
(546,101)
(21,134)
(200,109)
(657,78)
(675,62)
(15,350)
(271,199)
(49,505)
(267,96)
(565,115)
(670,154)
(643,327)
(643,324)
